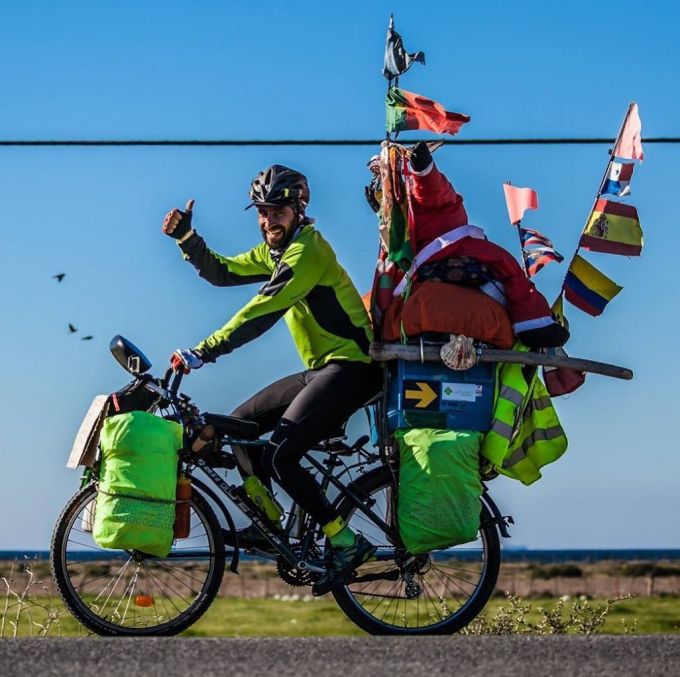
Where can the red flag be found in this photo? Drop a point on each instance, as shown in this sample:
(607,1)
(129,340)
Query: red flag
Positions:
(518,200)
(630,143)
(407,110)
(561,381)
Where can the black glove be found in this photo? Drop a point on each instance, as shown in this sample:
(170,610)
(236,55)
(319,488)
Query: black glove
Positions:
(177,223)
(420,157)
(552,336)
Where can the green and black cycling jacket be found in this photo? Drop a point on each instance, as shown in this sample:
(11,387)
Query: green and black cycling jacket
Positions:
(307,286)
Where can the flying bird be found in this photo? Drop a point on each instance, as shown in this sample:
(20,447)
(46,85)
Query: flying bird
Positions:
(71,328)
(59,277)
(87,338)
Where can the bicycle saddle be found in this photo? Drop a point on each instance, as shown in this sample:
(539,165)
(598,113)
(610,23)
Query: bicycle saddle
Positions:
(230,425)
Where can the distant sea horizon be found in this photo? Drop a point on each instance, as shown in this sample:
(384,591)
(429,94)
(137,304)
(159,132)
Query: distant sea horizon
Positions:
(510,554)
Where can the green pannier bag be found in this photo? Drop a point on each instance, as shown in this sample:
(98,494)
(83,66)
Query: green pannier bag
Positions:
(137,485)
(438,504)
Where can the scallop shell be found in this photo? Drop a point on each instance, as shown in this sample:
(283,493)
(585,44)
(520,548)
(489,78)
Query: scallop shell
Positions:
(459,353)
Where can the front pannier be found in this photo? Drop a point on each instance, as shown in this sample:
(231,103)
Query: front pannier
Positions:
(138,481)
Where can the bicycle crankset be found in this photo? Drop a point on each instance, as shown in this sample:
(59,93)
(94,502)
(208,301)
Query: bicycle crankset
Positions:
(292,574)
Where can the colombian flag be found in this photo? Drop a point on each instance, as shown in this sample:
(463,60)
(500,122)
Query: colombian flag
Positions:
(613,228)
(587,288)
(406,110)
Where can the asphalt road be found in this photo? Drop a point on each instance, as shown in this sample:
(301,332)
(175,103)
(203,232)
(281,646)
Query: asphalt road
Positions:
(323,656)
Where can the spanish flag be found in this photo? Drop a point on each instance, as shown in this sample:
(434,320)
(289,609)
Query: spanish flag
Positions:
(613,228)
(406,110)
(587,288)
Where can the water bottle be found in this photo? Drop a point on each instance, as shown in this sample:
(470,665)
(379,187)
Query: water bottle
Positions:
(182,526)
(260,496)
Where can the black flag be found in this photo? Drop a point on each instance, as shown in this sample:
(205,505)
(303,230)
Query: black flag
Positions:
(397,60)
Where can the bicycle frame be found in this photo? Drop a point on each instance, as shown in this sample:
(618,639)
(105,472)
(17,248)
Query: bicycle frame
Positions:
(235,494)
(308,531)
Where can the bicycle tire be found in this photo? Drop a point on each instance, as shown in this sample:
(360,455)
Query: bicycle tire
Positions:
(66,572)
(348,596)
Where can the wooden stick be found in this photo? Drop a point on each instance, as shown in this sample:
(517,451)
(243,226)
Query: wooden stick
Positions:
(412,353)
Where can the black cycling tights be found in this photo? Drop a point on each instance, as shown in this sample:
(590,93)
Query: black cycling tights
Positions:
(304,409)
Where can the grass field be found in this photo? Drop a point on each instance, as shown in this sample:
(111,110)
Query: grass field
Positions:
(305,616)
(258,603)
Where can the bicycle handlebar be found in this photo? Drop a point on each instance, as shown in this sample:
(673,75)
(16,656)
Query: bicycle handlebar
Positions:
(166,377)
(174,386)
(165,387)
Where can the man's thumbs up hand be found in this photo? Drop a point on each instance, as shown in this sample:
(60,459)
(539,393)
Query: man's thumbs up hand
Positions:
(177,223)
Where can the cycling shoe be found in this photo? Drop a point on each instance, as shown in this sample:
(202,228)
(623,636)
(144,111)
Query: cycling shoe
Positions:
(343,562)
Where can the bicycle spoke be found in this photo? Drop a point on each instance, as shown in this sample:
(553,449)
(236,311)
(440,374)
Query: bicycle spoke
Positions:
(445,583)
(389,596)
(453,580)
(112,592)
(161,585)
(157,595)
(431,601)
(91,547)
(131,588)
(448,580)
(172,573)
(115,584)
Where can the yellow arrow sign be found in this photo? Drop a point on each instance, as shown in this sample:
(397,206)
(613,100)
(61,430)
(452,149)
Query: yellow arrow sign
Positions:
(425,395)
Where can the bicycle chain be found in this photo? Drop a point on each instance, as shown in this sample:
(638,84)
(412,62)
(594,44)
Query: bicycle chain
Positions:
(294,576)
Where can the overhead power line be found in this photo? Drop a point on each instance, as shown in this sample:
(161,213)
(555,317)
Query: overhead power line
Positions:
(318,142)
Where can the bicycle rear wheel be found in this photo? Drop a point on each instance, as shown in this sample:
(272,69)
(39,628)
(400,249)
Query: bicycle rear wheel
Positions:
(401,594)
(119,592)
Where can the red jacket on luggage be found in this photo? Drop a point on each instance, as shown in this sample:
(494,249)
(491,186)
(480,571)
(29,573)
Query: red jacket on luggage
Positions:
(439,222)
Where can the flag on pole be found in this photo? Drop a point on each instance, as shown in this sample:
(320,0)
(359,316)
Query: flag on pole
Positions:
(397,60)
(557,309)
(532,238)
(613,228)
(618,179)
(407,110)
(630,141)
(518,200)
(537,250)
(394,213)
(587,288)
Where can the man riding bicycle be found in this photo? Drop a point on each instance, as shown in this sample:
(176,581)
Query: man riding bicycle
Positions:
(305,284)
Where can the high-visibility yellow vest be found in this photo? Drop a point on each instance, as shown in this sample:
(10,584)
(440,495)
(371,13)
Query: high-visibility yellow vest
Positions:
(525,432)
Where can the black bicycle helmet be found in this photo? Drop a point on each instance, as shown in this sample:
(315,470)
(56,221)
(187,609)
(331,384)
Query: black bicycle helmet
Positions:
(279,185)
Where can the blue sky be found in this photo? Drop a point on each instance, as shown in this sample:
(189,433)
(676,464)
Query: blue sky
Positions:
(312,70)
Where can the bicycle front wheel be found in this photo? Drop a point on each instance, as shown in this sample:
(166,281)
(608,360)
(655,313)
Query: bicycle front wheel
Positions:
(119,592)
(401,594)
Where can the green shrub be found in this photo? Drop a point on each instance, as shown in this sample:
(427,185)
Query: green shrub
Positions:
(556,570)
(649,569)
(581,618)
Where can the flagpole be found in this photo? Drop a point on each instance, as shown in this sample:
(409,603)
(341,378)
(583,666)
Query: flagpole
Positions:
(521,247)
(389,80)
(599,192)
